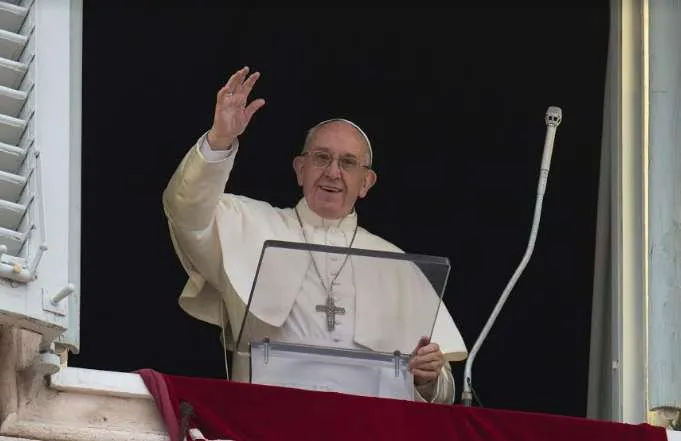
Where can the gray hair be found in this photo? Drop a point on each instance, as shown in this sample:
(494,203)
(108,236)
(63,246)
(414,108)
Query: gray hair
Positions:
(313,129)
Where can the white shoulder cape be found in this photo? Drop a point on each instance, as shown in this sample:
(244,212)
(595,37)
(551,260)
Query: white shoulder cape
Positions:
(244,224)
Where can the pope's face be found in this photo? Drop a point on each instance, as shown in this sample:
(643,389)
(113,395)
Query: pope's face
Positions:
(334,171)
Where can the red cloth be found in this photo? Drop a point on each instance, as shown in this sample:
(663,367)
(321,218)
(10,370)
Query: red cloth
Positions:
(238,411)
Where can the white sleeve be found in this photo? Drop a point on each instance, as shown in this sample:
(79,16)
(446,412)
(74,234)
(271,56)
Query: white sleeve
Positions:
(211,155)
(190,201)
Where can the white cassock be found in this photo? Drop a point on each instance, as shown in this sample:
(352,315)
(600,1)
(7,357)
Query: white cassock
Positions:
(219,239)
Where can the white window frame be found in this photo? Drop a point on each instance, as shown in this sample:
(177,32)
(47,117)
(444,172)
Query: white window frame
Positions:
(58,121)
(47,301)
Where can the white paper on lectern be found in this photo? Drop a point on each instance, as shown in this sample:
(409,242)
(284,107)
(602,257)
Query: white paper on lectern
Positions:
(331,373)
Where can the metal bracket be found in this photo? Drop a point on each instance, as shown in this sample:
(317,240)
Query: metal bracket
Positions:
(396,361)
(266,349)
(56,303)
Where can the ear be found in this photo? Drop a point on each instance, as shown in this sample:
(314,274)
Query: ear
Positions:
(370,178)
(298,163)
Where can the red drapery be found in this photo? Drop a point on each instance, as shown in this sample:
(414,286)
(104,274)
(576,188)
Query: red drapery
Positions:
(225,410)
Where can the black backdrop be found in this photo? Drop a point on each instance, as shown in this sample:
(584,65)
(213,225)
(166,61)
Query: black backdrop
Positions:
(454,101)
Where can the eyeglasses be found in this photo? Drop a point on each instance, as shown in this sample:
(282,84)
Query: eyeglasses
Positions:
(323,159)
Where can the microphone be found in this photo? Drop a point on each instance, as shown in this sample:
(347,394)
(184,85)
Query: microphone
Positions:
(552,118)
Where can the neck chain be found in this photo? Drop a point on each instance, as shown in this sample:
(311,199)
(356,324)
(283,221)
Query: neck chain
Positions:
(314,262)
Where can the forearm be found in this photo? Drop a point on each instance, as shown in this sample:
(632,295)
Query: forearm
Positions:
(190,201)
(194,190)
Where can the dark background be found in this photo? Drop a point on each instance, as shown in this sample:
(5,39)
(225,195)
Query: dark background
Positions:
(454,102)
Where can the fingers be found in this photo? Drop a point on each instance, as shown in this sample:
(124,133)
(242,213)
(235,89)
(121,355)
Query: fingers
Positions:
(252,108)
(432,356)
(428,349)
(423,376)
(238,87)
(427,365)
(429,361)
(247,85)
(425,372)
(423,341)
(234,82)
(428,358)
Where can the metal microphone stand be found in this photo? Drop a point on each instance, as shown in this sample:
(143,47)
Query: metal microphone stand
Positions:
(553,118)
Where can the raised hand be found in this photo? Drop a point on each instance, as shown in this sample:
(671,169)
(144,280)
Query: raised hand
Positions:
(232,114)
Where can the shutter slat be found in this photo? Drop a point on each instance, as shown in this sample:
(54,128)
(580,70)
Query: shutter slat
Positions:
(11,186)
(11,101)
(11,16)
(15,2)
(13,240)
(15,112)
(11,129)
(11,72)
(11,44)
(11,157)
(11,214)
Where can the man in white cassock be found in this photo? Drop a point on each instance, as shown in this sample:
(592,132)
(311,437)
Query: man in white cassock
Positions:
(219,239)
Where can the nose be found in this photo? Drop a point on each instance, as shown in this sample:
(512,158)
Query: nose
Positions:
(333,170)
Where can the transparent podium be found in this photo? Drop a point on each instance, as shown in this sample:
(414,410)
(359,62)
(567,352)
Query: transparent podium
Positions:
(356,317)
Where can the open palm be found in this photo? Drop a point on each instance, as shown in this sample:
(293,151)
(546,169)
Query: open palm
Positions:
(232,113)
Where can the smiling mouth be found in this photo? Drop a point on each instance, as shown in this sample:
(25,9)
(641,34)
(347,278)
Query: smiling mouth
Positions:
(330,189)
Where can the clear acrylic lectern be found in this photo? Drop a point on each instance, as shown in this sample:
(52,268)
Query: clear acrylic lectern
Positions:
(356,337)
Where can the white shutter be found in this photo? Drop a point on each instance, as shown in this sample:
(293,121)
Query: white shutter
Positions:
(40,81)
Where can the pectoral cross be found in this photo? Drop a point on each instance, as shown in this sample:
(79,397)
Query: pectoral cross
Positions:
(330,309)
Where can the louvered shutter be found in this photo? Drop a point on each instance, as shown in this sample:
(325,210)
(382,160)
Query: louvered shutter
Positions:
(40,82)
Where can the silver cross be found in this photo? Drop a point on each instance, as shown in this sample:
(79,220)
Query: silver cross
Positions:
(330,309)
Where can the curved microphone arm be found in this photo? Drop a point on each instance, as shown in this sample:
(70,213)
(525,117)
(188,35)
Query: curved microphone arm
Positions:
(553,118)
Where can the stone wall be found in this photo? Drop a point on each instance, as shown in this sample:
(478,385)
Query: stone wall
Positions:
(79,408)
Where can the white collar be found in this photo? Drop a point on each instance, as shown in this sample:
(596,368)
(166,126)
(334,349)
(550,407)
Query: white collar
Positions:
(309,217)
